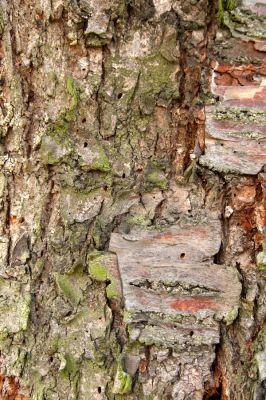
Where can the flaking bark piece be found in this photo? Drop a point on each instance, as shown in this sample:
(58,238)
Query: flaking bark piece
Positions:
(170,283)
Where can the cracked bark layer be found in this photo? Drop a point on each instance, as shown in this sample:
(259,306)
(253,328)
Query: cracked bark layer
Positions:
(103,110)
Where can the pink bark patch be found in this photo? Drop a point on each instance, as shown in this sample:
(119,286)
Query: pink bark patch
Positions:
(193,305)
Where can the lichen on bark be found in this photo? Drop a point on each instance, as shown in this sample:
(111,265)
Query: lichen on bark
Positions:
(127,119)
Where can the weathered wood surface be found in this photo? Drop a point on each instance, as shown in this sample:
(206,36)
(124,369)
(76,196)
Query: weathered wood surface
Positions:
(189,241)
(233,145)
(235,135)
(169,274)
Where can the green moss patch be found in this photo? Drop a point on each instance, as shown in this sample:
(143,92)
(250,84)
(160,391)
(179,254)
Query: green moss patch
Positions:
(225,5)
(101,268)
(122,382)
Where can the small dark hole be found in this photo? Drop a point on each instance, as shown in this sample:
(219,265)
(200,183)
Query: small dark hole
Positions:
(99,389)
(215,396)
(85,144)
(119,95)
(83,69)
(124,175)
(221,144)
(191,333)
(83,120)
(51,359)
(105,188)
(234,195)
(182,255)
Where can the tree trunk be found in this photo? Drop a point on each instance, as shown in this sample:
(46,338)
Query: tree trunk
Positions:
(133,144)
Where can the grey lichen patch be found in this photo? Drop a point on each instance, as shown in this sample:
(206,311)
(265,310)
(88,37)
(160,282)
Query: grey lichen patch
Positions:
(2,22)
(80,206)
(2,188)
(261,261)
(246,134)
(213,163)
(70,285)
(72,91)
(169,47)
(261,257)
(38,385)
(92,156)
(15,304)
(98,31)
(231,316)
(97,40)
(240,114)
(38,267)
(68,289)
(139,220)
(4,243)
(258,365)
(242,22)
(56,144)
(248,23)
(68,366)
(101,162)
(156,173)
(157,82)
(92,378)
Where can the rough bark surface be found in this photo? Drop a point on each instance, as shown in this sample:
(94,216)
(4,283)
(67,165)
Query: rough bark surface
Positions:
(132,185)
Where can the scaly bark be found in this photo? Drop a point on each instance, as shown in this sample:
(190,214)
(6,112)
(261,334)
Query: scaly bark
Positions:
(132,189)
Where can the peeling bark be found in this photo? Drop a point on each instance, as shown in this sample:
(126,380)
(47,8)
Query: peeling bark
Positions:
(132,200)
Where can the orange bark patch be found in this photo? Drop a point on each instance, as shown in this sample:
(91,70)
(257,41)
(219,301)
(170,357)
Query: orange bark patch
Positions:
(142,366)
(164,236)
(14,220)
(193,305)
(9,388)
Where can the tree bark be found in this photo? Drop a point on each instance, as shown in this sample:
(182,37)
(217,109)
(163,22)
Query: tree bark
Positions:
(132,184)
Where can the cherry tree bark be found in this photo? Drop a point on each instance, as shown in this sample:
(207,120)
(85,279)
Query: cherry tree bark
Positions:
(132,185)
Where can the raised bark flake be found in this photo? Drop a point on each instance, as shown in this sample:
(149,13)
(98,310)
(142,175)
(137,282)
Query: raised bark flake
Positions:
(132,200)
